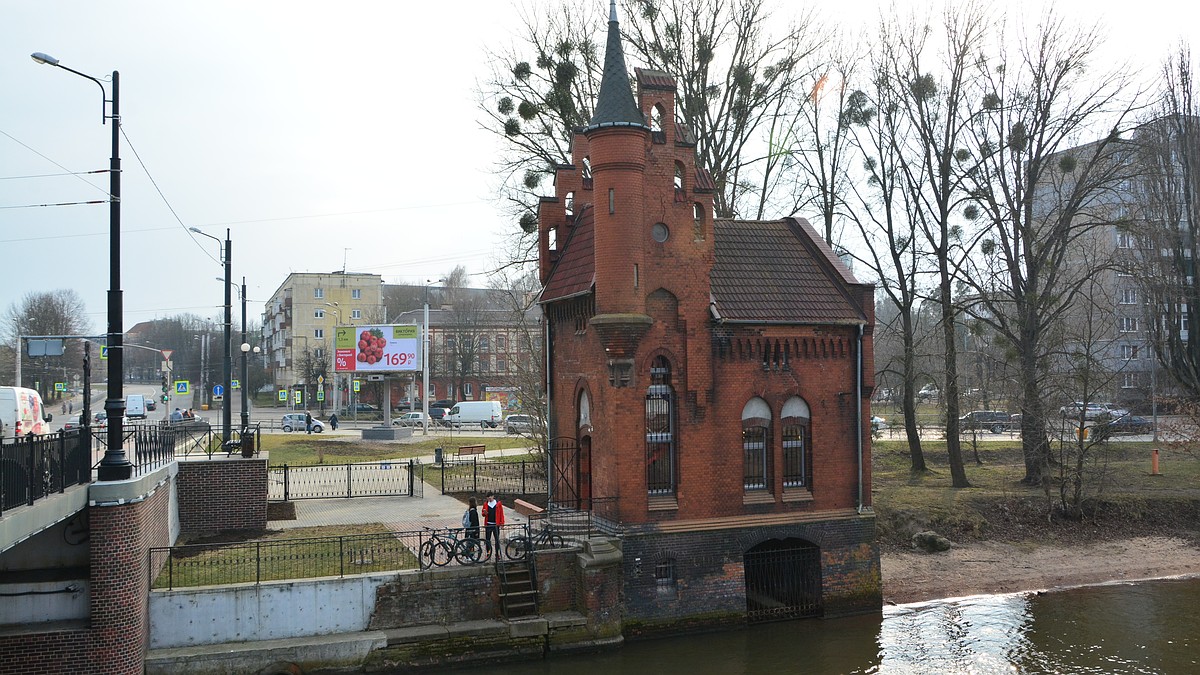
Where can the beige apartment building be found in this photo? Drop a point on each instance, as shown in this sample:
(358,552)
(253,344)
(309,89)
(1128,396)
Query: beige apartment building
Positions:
(300,318)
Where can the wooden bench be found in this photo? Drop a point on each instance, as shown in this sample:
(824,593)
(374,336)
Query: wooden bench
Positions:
(470,450)
(525,508)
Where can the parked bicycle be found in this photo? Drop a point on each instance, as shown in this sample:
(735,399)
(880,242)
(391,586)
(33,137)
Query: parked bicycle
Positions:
(442,546)
(521,545)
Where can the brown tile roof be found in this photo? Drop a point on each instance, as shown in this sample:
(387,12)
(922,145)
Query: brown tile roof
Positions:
(779,271)
(654,79)
(683,135)
(575,271)
(704,181)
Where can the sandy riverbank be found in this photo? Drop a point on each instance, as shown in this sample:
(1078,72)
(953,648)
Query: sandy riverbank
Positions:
(993,567)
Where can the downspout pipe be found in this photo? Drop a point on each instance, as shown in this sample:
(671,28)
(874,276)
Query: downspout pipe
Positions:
(858,379)
(546,333)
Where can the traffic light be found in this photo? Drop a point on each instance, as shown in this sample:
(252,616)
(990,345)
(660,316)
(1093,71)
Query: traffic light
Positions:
(164,398)
(164,385)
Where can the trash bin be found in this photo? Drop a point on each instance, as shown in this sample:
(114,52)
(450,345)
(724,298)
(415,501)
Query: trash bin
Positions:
(248,445)
(437,455)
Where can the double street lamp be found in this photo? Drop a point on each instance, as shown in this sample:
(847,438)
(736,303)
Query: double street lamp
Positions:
(115,465)
(227,258)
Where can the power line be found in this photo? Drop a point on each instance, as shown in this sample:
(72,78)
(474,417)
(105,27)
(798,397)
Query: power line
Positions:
(73,173)
(36,206)
(54,175)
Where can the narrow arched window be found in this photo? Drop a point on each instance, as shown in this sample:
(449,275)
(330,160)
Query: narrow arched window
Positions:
(569,203)
(587,173)
(660,430)
(795,421)
(679,177)
(657,116)
(698,228)
(756,445)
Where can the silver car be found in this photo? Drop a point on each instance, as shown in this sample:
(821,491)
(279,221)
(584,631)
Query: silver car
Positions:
(295,422)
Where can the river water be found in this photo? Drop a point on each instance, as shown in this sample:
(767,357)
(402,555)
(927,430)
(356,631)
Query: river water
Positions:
(1147,627)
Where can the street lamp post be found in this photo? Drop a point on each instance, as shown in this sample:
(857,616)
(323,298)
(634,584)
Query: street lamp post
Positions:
(425,362)
(227,256)
(332,344)
(245,354)
(115,465)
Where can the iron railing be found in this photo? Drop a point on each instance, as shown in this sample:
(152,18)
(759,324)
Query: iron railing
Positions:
(396,478)
(35,467)
(476,476)
(255,562)
(589,515)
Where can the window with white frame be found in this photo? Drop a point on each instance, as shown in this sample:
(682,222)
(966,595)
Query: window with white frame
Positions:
(484,344)
(501,343)
(319,333)
(319,314)
(1128,296)
(1129,324)
(318,293)
(797,462)
(1129,381)
(756,445)
(1125,240)
(468,390)
(356,314)
(1129,352)
(356,294)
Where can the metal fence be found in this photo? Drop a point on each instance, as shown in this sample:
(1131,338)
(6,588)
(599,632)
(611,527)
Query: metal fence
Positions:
(256,562)
(480,476)
(398,478)
(34,467)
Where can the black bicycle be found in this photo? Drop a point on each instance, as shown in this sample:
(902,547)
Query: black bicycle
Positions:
(521,545)
(442,546)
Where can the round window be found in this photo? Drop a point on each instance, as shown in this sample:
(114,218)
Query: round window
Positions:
(660,232)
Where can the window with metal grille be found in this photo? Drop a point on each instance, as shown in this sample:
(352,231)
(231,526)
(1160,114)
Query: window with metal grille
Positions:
(756,445)
(797,461)
(660,430)
(664,574)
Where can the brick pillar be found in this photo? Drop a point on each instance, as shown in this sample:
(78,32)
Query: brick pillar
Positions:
(119,587)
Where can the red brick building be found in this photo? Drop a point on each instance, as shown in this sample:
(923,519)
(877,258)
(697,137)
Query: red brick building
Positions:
(709,378)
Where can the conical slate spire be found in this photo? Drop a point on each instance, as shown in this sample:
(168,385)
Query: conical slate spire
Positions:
(615,105)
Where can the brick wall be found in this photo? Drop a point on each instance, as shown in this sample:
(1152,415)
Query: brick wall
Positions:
(710,583)
(222,494)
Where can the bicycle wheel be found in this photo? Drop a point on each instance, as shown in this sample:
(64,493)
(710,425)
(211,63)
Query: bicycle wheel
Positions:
(468,551)
(443,551)
(425,553)
(556,541)
(515,547)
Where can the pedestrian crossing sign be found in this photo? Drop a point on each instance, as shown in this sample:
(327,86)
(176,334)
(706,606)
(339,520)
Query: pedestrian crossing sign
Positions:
(182,386)
(320,396)
(357,384)
(283,395)
(298,397)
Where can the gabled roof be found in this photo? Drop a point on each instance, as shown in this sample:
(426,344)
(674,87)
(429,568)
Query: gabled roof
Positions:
(779,271)
(575,271)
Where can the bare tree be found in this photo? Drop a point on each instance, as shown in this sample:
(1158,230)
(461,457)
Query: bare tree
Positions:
(527,371)
(1169,224)
(937,111)
(60,312)
(732,76)
(883,218)
(1041,196)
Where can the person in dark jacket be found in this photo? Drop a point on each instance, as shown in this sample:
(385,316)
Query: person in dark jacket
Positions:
(493,520)
(333,421)
(308,421)
(472,531)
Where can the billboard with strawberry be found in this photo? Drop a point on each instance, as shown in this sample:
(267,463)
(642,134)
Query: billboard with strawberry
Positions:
(382,349)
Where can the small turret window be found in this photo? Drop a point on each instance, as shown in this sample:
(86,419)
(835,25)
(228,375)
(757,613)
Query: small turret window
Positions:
(569,202)
(679,186)
(659,232)
(587,173)
(698,220)
(656,124)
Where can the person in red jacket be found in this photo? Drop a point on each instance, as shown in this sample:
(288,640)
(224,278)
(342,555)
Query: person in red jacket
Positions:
(492,515)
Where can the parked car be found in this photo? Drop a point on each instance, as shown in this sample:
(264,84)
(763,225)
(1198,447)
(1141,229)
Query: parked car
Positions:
(928,393)
(518,424)
(151,404)
(402,405)
(1092,411)
(296,422)
(995,421)
(1125,424)
(410,419)
(437,416)
(446,403)
(73,422)
(361,408)
(878,423)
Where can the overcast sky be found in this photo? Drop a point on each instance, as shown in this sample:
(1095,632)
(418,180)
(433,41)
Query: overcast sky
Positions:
(321,134)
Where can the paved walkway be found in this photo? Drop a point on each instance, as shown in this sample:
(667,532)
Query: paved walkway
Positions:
(396,513)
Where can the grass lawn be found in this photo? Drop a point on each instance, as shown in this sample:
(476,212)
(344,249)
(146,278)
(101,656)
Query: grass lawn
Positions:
(290,554)
(304,449)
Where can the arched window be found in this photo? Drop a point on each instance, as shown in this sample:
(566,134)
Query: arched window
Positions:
(679,186)
(587,173)
(698,220)
(796,423)
(657,133)
(585,411)
(756,445)
(569,202)
(660,430)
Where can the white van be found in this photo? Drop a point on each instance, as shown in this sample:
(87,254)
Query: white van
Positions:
(135,407)
(486,414)
(22,412)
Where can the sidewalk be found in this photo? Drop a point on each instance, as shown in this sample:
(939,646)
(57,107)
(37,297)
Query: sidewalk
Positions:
(396,513)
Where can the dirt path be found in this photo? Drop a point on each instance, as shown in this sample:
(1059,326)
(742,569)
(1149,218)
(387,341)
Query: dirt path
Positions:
(991,567)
